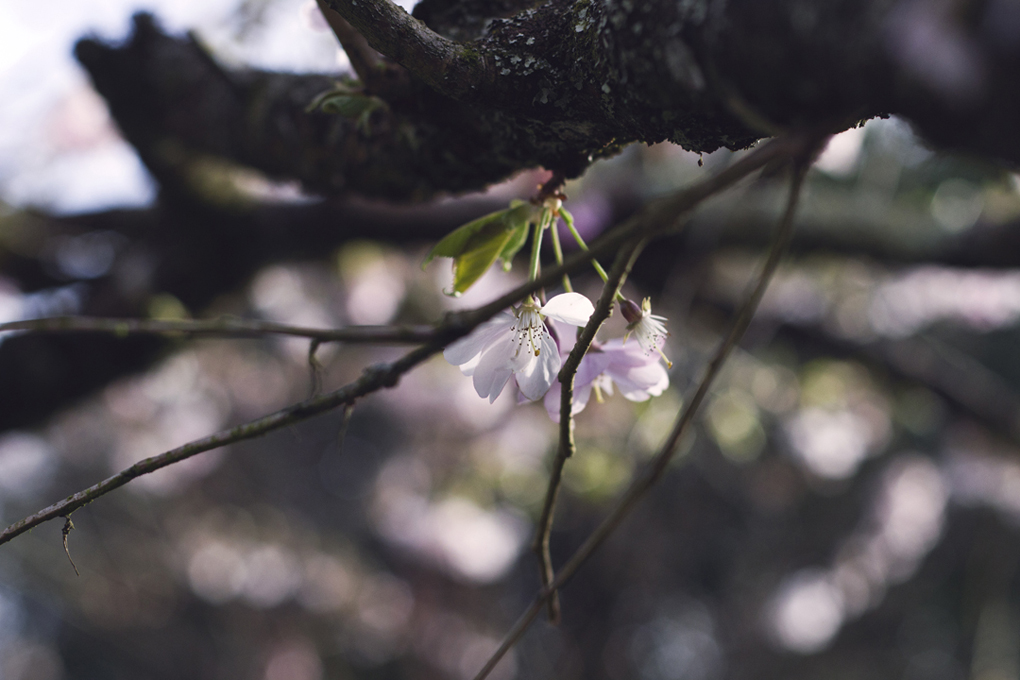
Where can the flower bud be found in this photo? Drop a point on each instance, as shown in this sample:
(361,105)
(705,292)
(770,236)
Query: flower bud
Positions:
(631,311)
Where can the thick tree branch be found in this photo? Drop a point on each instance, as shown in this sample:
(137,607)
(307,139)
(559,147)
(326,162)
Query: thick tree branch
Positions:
(378,75)
(448,67)
(364,60)
(565,82)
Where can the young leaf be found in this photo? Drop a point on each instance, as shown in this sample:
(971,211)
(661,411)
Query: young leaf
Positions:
(519,218)
(475,246)
(456,242)
(470,265)
(347,102)
(517,239)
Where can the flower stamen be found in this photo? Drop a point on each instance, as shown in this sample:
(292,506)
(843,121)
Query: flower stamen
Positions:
(530,327)
(491,354)
(649,329)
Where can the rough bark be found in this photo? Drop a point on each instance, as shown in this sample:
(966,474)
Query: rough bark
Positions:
(562,83)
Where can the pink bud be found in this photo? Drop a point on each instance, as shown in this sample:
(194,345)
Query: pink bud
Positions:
(631,311)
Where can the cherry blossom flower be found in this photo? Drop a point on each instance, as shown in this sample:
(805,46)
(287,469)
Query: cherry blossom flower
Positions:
(638,375)
(649,329)
(517,342)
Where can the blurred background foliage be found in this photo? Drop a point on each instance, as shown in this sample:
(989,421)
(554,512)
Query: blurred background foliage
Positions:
(846,508)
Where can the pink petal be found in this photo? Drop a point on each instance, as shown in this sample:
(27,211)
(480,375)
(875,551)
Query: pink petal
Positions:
(628,354)
(641,382)
(553,396)
(552,402)
(592,364)
(581,397)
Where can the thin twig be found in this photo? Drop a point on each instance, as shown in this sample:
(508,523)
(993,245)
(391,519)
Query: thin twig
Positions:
(659,216)
(456,325)
(223,328)
(345,421)
(68,525)
(315,369)
(662,459)
(372,379)
(603,308)
(651,474)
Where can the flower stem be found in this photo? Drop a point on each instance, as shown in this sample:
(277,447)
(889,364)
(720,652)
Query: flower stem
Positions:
(569,219)
(536,249)
(558,252)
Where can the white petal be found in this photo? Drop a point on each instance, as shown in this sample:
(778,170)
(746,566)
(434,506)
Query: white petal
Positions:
(572,308)
(492,371)
(521,354)
(470,346)
(550,348)
(498,383)
(521,399)
(468,367)
(538,375)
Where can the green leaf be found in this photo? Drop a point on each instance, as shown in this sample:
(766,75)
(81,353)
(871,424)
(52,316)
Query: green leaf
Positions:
(477,245)
(457,241)
(469,267)
(518,237)
(519,219)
